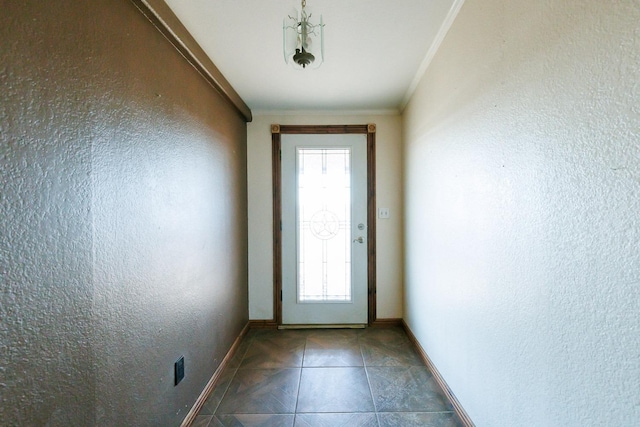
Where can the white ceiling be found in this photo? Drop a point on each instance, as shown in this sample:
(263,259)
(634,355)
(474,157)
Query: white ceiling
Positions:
(375,50)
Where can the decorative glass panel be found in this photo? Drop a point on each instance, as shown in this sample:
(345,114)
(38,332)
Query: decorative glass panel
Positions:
(324,225)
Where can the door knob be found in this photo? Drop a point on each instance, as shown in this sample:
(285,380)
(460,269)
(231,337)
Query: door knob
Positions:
(359,240)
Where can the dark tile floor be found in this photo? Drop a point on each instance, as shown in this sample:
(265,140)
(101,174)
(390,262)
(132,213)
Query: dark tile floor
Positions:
(327,377)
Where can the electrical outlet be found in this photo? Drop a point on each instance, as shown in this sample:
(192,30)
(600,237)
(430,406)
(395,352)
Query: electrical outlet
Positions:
(178,369)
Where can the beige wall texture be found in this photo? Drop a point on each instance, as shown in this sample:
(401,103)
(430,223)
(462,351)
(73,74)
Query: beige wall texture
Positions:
(389,195)
(522,188)
(123,239)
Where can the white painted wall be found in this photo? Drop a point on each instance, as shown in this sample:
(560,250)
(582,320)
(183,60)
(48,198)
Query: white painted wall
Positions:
(389,194)
(522,187)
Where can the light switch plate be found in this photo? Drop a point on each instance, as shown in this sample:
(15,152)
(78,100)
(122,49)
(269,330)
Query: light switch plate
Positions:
(383,213)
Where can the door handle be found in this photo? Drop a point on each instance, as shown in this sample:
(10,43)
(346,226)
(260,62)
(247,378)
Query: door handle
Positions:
(359,240)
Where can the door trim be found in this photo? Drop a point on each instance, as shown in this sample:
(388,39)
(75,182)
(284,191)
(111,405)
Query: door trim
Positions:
(276,132)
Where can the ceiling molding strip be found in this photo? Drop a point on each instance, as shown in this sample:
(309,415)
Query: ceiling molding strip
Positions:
(163,18)
(337,112)
(433,49)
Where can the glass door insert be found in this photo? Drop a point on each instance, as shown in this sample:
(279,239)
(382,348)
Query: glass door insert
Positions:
(324,225)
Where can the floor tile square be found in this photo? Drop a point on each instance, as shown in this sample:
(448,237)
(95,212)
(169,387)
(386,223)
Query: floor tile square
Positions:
(281,333)
(211,404)
(261,391)
(333,333)
(334,390)
(382,354)
(394,336)
(328,352)
(274,351)
(405,389)
(324,336)
(254,420)
(240,352)
(202,421)
(336,420)
(420,419)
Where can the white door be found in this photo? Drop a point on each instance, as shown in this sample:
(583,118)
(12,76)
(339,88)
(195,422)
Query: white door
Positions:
(324,229)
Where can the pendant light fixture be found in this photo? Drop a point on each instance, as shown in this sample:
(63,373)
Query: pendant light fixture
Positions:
(303,40)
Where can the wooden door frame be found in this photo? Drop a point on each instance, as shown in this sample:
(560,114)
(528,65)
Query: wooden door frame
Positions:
(276,132)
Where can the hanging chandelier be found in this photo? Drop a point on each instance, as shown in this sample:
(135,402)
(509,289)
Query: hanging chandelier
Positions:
(303,40)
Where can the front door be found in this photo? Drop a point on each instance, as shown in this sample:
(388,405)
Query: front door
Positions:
(324,229)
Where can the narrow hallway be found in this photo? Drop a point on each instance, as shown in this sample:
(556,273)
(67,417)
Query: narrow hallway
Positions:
(327,377)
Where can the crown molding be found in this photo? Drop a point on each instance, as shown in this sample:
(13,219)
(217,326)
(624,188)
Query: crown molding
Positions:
(431,53)
(382,112)
(163,18)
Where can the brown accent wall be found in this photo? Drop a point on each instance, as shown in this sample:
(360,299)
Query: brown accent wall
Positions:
(122,218)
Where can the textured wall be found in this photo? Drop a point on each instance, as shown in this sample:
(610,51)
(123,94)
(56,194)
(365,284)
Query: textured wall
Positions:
(522,199)
(46,359)
(389,194)
(123,219)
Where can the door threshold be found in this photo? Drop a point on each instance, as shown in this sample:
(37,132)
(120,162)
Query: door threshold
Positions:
(321,326)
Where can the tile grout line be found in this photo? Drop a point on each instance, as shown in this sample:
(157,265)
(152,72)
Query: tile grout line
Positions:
(249,341)
(366,372)
(225,392)
(304,352)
